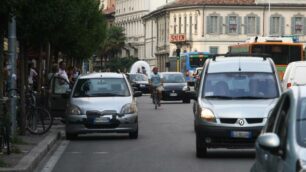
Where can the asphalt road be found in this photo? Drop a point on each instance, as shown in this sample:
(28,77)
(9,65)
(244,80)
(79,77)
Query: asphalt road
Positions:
(166,143)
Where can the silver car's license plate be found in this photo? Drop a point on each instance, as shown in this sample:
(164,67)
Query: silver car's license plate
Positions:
(241,134)
(103,119)
(100,120)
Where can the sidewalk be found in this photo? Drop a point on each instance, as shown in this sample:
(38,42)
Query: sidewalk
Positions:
(30,150)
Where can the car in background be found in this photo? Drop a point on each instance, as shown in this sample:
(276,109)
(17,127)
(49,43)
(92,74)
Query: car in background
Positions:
(140,82)
(294,74)
(282,143)
(175,87)
(233,102)
(102,103)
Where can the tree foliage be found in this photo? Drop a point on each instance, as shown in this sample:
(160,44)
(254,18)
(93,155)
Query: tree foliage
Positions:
(113,43)
(123,64)
(76,28)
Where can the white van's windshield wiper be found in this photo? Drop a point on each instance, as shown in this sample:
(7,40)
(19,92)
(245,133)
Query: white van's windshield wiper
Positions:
(251,97)
(218,97)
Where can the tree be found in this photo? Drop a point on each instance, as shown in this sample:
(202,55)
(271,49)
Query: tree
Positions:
(113,43)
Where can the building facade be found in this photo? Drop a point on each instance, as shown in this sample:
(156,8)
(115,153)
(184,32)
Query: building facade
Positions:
(129,15)
(212,25)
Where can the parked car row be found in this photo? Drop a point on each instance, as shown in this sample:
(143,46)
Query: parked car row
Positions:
(242,105)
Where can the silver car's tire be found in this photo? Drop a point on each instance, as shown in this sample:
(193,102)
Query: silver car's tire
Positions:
(133,135)
(71,136)
(201,149)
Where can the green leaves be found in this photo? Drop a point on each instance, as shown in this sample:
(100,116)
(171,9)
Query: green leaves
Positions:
(75,28)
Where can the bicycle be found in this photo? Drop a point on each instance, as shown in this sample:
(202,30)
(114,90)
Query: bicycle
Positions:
(38,119)
(155,97)
(5,128)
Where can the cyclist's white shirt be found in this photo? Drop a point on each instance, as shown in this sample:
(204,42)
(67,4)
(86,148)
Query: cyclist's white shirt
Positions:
(155,80)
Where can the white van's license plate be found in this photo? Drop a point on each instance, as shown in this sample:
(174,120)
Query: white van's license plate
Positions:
(241,134)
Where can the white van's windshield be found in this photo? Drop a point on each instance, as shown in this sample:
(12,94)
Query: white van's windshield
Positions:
(301,124)
(240,85)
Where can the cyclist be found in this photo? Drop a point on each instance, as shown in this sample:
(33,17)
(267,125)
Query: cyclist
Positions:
(156,83)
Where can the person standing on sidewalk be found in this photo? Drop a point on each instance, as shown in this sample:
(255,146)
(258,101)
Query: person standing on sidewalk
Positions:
(62,71)
(32,78)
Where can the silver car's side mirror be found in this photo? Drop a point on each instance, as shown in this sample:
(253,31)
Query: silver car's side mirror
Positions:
(269,141)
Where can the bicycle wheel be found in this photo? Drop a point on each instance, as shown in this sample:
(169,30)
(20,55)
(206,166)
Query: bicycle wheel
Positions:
(155,99)
(39,121)
(6,140)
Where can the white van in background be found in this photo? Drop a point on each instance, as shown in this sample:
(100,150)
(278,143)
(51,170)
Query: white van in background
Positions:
(295,74)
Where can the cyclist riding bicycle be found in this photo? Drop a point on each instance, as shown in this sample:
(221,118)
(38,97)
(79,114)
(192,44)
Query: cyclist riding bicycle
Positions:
(156,83)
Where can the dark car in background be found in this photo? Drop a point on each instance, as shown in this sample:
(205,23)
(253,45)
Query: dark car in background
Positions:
(175,87)
(140,82)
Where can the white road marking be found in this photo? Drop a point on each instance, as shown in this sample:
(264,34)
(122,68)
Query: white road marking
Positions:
(100,152)
(55,157)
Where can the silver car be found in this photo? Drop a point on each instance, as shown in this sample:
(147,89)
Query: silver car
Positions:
(282,145)
(102,103)
(233,101)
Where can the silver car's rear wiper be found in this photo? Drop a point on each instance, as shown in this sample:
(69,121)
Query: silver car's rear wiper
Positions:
(218,97)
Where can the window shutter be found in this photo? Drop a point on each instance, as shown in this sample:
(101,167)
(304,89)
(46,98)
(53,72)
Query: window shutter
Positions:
(226,24)
(271,26)
(282,25)
(239,25)
(304,26)
(209,25)
(292,25)
(257,25)
(220,24)
(246,25)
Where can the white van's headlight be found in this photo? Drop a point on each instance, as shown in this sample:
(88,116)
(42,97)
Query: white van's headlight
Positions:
(129,108)
(207,115)
(74,110)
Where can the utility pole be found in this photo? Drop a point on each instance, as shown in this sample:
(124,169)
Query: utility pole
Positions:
(12,74)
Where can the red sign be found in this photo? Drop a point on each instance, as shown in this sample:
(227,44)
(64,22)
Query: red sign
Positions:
(177,38)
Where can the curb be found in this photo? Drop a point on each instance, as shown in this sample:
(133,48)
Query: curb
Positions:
(29,162)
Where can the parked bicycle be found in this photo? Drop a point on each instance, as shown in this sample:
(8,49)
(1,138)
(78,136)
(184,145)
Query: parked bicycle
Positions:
(38,119)
(5,128)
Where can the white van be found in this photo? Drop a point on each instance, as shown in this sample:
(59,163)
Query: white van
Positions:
(294,74)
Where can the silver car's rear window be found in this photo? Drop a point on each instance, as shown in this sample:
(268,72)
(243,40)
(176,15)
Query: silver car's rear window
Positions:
(101,87)
(301,124)
(240,85)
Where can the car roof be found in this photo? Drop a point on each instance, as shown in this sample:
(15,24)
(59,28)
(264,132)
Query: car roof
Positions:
(102,75)
(245,64)
(297,63)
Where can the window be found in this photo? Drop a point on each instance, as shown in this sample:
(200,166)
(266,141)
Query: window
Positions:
(252,25)
(277,25)
(185,24)
(298,25)
(214,24)
(196,24)
(174,24)
(190,27)
(180,24)
(213,50)
(233,24)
